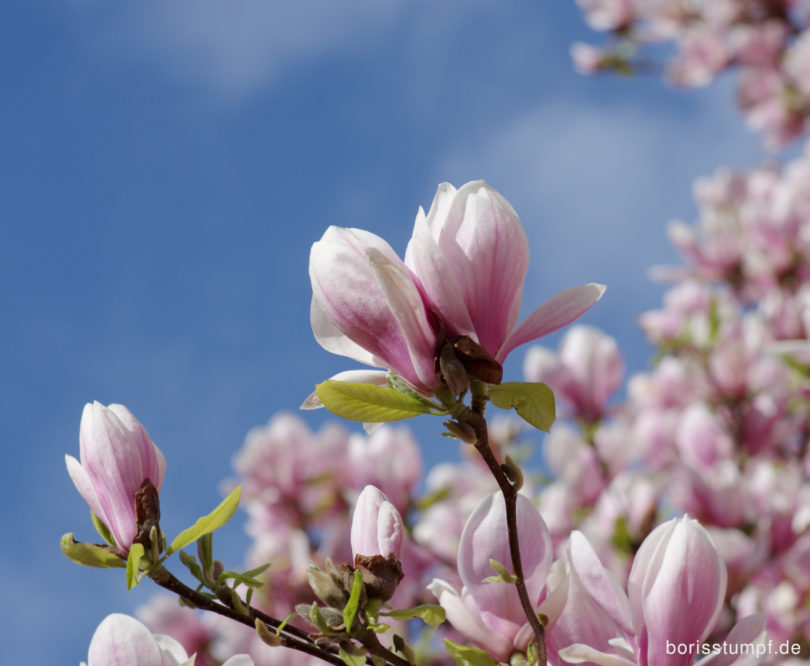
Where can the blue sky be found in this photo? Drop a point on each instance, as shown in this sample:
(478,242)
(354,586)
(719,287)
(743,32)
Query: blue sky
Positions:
(166,166)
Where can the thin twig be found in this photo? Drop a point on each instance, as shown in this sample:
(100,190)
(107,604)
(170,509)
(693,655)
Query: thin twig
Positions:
(291,637)
(475,419)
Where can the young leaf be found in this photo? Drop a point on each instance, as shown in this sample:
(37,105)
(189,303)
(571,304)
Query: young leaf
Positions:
(191,564)
(136,553)
(247,578)
(503,576)
(207,524)
(533,401)
(368,403)
(103,530)
(468,656)
(429,613)
(350,610)
(89,554)
(351,660)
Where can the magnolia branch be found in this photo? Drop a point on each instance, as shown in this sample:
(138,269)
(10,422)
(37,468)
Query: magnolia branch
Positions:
(474,418)
(290,637)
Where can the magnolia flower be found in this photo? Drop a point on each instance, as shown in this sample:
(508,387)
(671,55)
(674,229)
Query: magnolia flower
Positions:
(376,525)
(462,276)
(676,591)
(117,456)
(587,370)
(376,537)
(121,640)
(490,613)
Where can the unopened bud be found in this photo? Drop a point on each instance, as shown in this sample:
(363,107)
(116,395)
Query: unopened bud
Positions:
(328,585)
(513,473)
(464,431)
(266,634)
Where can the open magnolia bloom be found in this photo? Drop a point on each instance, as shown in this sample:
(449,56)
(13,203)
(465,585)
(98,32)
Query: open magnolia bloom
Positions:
(488,612)
(676,591)
(462,276)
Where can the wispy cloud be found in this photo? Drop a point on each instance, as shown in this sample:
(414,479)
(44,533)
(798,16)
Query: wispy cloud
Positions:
(235,48)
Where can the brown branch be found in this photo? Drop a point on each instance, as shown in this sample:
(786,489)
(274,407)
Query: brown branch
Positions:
(475,419)
(290,637)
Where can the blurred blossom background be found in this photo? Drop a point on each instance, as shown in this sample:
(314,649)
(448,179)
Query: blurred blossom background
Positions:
(166,166)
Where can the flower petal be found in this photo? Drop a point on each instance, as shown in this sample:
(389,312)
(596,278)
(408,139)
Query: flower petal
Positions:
(121,640)
(483,241)
(467,624)
(485,538)
(558,311)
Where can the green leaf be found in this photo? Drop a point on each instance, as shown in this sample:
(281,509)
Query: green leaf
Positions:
(468,656)
(205,551)
(368,403)
(103,530)
(503,576)
(89,554)
(247,578)
(430,613)
(351,660)
(350,610)
(136,553)
(191,564)
(533,401)
(207,524)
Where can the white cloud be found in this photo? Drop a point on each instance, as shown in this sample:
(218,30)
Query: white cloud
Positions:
(235,47)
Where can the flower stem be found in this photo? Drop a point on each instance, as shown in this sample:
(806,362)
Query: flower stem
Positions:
(290,637)
(475,419)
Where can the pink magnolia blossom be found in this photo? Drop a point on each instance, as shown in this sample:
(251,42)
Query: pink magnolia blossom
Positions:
(121,640)
(462,275)
(489,613)
(587,370)
(117,456)
(377,527)
(470,256)
(675,595)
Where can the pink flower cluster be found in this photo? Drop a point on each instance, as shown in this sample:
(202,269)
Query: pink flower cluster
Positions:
(679,514)
(767,40)
(719,427)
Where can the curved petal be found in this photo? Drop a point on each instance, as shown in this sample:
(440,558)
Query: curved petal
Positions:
(239,660)
(174,654)
(328,336)
(85,486)
(406,305)
(483,241)
(153,463)
(485,538)
(438,279)
(603,590)
(580,654)
(121,640)
(558,311)
(466,623)
(751,630)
